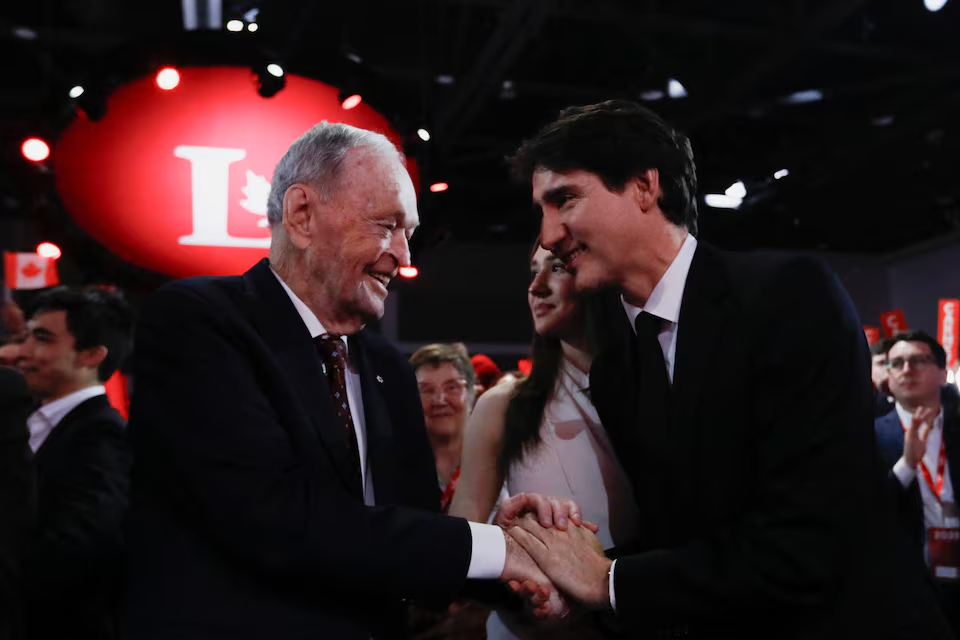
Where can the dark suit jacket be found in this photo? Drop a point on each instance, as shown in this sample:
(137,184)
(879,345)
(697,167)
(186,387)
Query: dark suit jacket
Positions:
(761,502)
(16,497)
(909,503)
(74,562)
(245,520)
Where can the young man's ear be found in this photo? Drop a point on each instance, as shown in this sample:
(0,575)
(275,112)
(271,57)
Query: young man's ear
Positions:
(92,357)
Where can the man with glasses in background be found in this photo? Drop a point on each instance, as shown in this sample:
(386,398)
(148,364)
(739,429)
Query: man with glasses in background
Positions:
(919,443)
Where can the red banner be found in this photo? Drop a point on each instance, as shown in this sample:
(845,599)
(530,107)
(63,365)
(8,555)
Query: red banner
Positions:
(872,333)
(893,322)
(948,313)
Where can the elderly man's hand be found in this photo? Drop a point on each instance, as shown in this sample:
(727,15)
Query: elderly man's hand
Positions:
(573,560)
(525,578)
(550,511)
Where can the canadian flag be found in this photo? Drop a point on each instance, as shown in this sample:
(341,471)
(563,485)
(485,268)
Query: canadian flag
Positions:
(29,271)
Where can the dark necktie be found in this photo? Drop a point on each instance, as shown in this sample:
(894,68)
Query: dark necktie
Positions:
(333,352)
(654,383)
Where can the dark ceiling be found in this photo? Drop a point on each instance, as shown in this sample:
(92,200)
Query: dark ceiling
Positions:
(872,165)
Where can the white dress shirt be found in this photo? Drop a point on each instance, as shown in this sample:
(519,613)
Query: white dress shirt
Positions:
(489,555)
(933,516)
(45,419)
(664,302)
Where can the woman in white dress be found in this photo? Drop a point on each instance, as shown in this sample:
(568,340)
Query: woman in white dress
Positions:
(543,436)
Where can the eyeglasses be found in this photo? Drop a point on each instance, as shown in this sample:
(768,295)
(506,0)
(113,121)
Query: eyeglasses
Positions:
(449,388)
(915,362)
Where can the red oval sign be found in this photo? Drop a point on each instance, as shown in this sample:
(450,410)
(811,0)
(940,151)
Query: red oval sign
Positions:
(177,181)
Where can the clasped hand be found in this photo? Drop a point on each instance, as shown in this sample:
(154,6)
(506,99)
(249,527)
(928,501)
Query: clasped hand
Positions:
(553,556)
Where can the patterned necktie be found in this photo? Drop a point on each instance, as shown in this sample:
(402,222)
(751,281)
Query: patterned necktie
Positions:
(654,383)
(333,352)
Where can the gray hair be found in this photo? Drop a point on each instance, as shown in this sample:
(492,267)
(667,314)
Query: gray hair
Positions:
(317,158)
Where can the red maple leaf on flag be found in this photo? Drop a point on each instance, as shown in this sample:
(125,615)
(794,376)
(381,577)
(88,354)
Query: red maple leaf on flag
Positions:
(31,270)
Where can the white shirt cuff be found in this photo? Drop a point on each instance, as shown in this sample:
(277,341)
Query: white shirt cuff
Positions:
(904,473)
(489,556)
(613,595)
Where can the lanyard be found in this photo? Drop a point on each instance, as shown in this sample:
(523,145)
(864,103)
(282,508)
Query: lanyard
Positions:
(935,487)
(452,486)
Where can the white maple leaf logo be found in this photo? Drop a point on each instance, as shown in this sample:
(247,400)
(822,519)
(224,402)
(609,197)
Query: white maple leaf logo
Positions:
(255,196)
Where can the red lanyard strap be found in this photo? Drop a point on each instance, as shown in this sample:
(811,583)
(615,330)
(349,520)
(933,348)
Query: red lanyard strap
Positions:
(935,487)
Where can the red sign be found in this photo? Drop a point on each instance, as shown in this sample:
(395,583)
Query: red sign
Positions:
(872,333)
(177,181)
(893,322)
(948,314)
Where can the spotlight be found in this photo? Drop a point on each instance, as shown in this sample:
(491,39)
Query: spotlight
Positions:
(423,134)
(48,250)
(270,80)
(409,272)
(782,173)
(35,149)
(721,201)
(168,78)
(351,101)
(234,25)
(252,27)
(934,5)
(76,92)
(675,89)
(737,190)
(803,97)
(437,187)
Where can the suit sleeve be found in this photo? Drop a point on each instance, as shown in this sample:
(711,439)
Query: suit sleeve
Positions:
(16,478)
(806,401)
(208,438)
(78,530)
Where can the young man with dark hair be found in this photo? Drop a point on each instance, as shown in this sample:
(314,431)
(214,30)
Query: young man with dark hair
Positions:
(919,443)
(761,505)
(76,338)
(883,402)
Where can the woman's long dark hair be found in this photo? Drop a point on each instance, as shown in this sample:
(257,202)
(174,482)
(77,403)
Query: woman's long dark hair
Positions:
(521,429)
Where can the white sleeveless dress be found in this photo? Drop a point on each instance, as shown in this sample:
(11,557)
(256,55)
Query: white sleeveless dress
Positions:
(574,459)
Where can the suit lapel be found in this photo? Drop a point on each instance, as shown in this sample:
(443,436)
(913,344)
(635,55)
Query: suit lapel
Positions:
(281,327)
(379,428)
(75,416)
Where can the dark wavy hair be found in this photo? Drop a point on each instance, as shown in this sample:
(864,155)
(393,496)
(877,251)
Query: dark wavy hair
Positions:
(616,140)
(521,429)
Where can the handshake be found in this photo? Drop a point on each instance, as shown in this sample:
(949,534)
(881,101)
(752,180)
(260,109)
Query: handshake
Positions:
(553,556)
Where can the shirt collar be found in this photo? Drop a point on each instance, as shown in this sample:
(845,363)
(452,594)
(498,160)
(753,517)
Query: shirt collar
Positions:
(54,412)
(306,314)
(906,418)
(664,301)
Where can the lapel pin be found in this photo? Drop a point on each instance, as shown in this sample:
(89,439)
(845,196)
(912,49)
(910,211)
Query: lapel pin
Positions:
(379,379)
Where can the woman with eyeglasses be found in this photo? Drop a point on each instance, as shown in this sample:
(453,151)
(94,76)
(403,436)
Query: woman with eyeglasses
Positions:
(542,435)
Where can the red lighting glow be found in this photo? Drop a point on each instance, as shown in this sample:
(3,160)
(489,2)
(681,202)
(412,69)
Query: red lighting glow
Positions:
(35,149)
(168,78)
(352,101)
(408,272)
(437,187)
(48,250)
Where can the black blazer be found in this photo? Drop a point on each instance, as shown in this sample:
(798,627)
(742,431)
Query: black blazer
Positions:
(245,519)
(73,568)
(909,503)
(16,497)
(761,502)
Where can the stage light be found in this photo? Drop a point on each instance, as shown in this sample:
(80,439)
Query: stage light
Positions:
(437,187)
(168,78)
(351,101)
(721,201)
(409,272)
(737,190)
(48,250)
(253,26)
(234,25)
(423,134)
(675,89)
(783,173)
(651,96)
(934,5)
(270,80)
(76,92)
(802,97)
(35,149)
